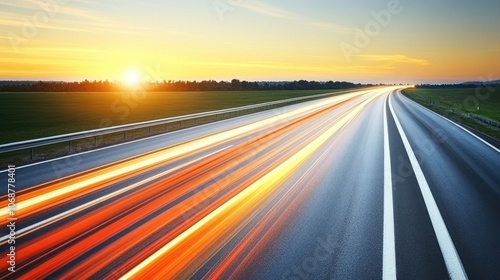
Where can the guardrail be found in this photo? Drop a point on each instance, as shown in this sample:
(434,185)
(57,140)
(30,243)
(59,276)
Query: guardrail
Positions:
(71,137)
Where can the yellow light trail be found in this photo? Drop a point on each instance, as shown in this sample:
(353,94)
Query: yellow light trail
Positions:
(168,154)
(234,207)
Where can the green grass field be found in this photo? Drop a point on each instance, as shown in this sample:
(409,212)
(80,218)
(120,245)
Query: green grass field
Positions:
(27,116)
(464,99)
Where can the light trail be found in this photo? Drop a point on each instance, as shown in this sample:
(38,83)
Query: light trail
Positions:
(115,222)
(219,224)
(69,213)
(50,196)
(138,234)
(312,193)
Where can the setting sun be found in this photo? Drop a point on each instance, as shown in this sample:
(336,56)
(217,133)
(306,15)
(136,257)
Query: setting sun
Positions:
(132,78)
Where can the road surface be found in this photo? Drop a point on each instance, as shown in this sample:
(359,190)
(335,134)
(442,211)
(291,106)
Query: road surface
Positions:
(366,185)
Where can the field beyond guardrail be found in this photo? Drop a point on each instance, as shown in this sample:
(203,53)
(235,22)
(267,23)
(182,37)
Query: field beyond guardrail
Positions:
(475,117)
(60,145)
(456,104)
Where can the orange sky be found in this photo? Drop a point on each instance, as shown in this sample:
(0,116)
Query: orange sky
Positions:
(359,41)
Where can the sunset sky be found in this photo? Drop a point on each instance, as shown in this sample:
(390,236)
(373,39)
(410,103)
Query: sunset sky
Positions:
(423,41)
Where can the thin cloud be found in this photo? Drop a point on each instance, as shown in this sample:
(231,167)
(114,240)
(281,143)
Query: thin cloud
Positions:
(65,17)
(266,9)
(276,65)
(396,58)
(337,28)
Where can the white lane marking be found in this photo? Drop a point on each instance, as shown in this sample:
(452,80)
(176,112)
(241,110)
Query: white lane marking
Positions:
(389,250)
(450,254)
(463,128)
(82,207)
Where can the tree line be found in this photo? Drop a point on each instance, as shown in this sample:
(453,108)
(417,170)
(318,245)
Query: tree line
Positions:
(458,86)
(207,85)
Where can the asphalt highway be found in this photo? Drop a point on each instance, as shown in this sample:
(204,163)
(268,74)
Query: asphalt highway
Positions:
(365,185)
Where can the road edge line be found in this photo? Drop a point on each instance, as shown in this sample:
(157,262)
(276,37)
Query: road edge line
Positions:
(460,126)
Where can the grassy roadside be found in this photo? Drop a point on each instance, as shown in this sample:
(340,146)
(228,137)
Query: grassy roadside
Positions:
(33,115)
(453,103)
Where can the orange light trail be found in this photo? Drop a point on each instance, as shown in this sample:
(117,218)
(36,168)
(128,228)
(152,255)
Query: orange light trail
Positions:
(177,220)
(175,258)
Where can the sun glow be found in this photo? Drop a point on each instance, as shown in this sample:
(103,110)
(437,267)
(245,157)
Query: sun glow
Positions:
(132,78)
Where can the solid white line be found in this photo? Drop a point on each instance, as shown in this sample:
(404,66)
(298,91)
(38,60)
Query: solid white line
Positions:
(463,128)
(471,133)
(82,207)
(389,250)
(450,254)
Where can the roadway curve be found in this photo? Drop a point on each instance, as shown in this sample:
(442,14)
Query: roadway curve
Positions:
(365,185)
